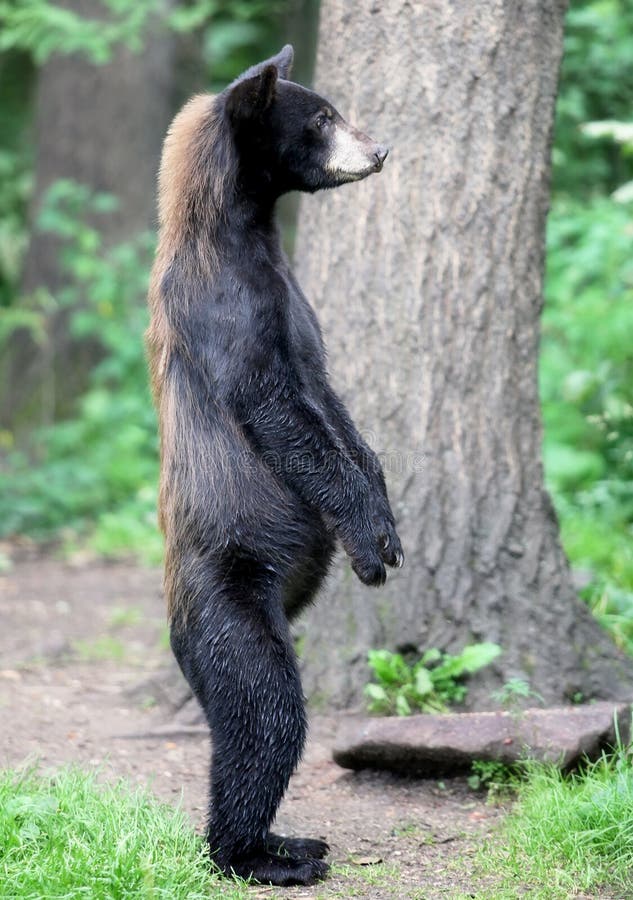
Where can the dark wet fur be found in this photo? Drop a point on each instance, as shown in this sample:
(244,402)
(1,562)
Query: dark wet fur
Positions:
(262,468)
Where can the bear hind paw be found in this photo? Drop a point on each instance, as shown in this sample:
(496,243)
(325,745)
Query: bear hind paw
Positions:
(310,848)
(284,871)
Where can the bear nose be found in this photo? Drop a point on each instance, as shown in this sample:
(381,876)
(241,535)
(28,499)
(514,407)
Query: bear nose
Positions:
(380,155)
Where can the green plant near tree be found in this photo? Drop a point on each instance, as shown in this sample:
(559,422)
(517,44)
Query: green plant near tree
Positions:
(497,778)
(432,684)
(514,694)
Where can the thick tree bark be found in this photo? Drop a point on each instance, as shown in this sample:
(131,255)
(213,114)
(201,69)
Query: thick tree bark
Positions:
(101,126)
(428,282)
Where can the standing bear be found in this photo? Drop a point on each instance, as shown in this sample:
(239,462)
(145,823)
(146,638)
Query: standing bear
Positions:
(262,469)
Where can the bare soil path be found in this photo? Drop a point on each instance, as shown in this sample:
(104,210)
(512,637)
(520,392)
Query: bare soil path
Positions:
(81,652)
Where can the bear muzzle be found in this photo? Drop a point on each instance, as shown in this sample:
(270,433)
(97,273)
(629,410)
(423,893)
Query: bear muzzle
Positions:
(353,155)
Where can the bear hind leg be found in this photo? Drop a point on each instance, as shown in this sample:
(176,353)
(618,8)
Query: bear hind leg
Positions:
(236,652)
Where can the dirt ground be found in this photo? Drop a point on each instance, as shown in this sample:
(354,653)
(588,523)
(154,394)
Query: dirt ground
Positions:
(82,653)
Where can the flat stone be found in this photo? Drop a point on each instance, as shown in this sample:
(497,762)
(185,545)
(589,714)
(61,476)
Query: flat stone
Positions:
(429,745)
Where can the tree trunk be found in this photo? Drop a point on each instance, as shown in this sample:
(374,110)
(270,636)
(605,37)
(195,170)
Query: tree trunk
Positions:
(428,282)
(101,126)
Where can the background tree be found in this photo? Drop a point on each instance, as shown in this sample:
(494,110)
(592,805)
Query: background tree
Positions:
(109,79)
(428,281)
(99,123)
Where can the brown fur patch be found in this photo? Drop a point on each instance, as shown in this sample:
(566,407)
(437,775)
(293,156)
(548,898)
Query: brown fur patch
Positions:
(194,173)
(190,198)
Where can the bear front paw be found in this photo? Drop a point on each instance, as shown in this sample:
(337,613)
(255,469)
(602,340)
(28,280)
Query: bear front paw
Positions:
(390,547)
(370,570)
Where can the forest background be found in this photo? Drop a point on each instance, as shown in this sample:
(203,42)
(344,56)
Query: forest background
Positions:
(78,442)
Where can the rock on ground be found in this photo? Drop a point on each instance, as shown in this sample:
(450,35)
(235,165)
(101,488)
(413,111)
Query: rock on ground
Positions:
(430,745)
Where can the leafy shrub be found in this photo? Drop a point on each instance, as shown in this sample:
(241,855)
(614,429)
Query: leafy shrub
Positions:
(596,84)
(587,393)
(230,29)
(15,186)
(496,778)
(102,462)
(587,356)
(44,28)
(430,685)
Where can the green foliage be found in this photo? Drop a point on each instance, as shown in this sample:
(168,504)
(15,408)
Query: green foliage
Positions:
(64,835)
(238,32)
(15,171)
(586,357)
(514,692)
(587,360)
(496,778)
(587,393)
(44,28)
(231,33)
(230,29)
(102,648)
(430,685)
(570,833)
(15,187)
(596,84)
(96,471)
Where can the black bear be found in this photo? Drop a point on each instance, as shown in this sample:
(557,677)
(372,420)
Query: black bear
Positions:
(262,468)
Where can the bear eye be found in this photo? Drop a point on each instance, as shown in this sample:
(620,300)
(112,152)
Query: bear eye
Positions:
(321,121)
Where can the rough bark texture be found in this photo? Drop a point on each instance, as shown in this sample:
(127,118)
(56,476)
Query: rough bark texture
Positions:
(101,126)
(428,282)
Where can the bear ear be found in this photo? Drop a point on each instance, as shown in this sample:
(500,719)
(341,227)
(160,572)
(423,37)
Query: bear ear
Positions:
(251,96)
(283,61)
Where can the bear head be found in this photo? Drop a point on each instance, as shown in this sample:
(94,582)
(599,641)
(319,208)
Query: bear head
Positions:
(289,138)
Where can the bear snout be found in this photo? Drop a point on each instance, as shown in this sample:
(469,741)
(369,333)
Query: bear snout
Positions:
(380,155)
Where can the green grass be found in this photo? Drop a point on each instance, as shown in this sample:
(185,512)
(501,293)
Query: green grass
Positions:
(67,836)
(568,834)
(359,878)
